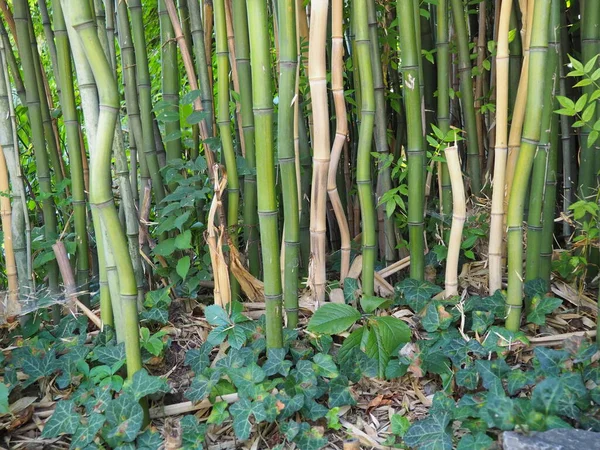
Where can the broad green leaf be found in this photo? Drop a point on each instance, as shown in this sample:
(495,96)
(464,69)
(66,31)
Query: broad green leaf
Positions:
(183,266)
(125,416)
(183,241)
(64,420)
(333,318)
(517,380)
(479,441)
(399,425)
(181,219)
(165,248)
(370,303)
(219,413)
(385,335)
(547,394)
(196,117)
(150,439)
(143,384)
(351,342)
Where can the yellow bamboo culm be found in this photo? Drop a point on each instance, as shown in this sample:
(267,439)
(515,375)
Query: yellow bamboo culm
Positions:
(500,152)
(12,306)
(341,131)
(459,213)
(321,151)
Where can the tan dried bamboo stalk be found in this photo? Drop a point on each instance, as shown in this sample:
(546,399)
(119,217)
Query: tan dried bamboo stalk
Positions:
(341,131)
(12,308)
(459,213)
(321,147)
(501,150)
(518,117)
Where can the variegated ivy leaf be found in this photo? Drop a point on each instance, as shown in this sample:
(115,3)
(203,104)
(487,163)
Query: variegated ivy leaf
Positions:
(124,416)
(143,384)
(64,420)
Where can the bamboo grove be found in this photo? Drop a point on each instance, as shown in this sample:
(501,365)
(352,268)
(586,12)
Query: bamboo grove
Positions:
(274,150)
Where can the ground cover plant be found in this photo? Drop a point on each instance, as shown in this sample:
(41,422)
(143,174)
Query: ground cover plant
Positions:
(298,223)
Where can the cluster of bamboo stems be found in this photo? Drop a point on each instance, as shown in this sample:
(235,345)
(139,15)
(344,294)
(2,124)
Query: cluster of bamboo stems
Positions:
(311,188)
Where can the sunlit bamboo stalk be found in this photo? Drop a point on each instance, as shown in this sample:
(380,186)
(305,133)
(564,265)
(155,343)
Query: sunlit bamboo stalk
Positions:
(459,215)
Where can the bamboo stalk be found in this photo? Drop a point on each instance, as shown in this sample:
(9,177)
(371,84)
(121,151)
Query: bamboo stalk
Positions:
(12,307)
(443,105)
(265,167)
(500,151)
(321,147)
(529,142)
(414,151)
(341,131)
(459,214)
(479,81)
(287,161)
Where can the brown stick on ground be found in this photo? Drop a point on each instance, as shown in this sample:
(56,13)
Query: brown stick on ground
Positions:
(69,281)
(351,444)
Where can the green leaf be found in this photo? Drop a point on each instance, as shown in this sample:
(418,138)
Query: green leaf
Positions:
(385,335)
(340,393)
(566,102)
(517,380)
(467,378)
(149,439)
(276,363)
(143,384)
(241,411)
(216,315)
(482,321)
(436,317)
(202,384)
(247,378)
(350,289)
(189,97)
(125,416)
(311,439)
(399,425)
(4,406)
(589,66)
(196,117)
(550,360)
(324,366)
(333,420)
(499,412)
(333,318)
(581,102)
(197,358)
(183,241)
(492,373)
(540,307)
(430,434)
(180,220)
(183,266)
(370,303)
(588,113)
(218,414)
(479,441)
(193,432)
(86,433)
(165,248)
(417,293)
(351,342)
(64,420)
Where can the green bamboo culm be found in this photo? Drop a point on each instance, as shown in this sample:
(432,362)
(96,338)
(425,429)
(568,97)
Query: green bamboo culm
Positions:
(145,97)
(242,59)
(72,129)
(443,97)
(467,101)
(101,197)
(414,151)
(287,160)
(21,14)
(260,57)
(170,83)
(529,142)
(384,182)
(541,164)
(224,124)
(365,140)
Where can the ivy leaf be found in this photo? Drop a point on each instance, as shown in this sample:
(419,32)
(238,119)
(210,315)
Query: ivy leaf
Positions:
(125,416)
(550,360)
(157,315)
(110,354)
(436,317)
(241,411)
(467,378)
(197,358)
(216,316)
(399,425)
(417,293)
(86,433)
(499,412)
(193,432)
(333,318)
(313,410)
(540,307)
(202,384)
(499,340)
(350,289)
(143,384)
(430,434)
(290,404)
(539,286)
(479,441)
(310,439)
(276,363)
(4,406)
(339,393)
(246,378)
(324,366)
(482,321)
(517,380)
(558,396)
(218,414)
(39,367)
(491,373)
(64,420)
(149,439)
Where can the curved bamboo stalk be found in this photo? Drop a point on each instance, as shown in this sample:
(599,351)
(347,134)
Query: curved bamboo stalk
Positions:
(529,143)
(500,151)
(287,161)
(459,214)
(101,197)
(341,130)
(250,214)
(467,101)
(267,199)
(321,147)
(415,151)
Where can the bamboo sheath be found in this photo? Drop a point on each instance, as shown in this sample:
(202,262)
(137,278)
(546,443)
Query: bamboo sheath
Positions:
(341,131)
(529,143)
(321,147)
(459,214)
(500,151)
